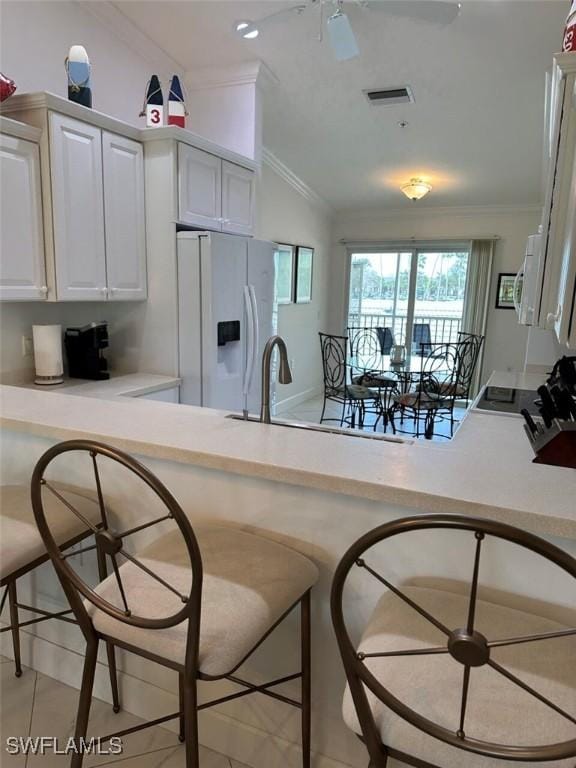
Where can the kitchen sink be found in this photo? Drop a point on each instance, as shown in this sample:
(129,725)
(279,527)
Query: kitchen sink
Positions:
(309,427)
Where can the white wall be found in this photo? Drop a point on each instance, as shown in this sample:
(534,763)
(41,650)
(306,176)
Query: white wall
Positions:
(286,216)
(505,339)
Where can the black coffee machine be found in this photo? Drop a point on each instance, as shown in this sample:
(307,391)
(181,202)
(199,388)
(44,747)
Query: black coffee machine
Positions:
(84,350)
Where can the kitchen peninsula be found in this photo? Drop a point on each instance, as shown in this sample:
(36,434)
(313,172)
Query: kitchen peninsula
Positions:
(315,492)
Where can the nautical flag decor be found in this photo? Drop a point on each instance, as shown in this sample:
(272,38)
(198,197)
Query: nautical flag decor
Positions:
(153,108)
(7,87)
(176,107)
(78,69)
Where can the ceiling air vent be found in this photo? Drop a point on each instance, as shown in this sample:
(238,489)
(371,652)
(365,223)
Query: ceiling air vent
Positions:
(383,96)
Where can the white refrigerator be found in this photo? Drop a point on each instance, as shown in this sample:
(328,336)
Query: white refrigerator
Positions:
(226,313)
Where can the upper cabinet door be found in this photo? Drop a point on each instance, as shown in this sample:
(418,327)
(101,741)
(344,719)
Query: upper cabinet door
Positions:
(77,210)
(199,188)
(22,266)
(125,218)
(237,199)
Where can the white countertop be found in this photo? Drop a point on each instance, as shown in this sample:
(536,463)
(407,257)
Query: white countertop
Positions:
(127,385)
(486,470)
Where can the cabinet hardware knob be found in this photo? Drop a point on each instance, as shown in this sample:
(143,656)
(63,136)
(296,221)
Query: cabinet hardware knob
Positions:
(44,289)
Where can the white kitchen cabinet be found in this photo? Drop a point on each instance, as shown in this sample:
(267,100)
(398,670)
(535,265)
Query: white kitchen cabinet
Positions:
(199,188)
(22,267)
(557,271)
(124,214)
(92,200)
(565,319)
(238,191)
(78,209)
(214,193)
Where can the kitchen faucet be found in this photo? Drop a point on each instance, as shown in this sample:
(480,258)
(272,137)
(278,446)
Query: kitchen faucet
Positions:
(284,373)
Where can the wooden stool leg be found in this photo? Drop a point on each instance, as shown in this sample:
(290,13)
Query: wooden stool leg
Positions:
(85,701)
(12,600)
(191,723)
(305,636)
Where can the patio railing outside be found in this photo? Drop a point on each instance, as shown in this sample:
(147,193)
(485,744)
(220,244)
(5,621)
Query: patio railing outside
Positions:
(443,330)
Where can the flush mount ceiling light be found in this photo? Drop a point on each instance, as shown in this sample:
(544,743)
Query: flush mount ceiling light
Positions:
(416,189)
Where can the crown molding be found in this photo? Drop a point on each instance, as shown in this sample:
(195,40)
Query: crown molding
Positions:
(19,130)
(420,212)
(282,170)
(248,73)
(124,29)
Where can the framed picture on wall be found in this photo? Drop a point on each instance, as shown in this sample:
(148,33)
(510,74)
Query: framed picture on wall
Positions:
(284,258)
(505,291)
(304,269)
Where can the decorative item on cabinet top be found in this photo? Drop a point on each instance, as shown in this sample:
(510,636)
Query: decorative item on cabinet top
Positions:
(79,72)
(7,87)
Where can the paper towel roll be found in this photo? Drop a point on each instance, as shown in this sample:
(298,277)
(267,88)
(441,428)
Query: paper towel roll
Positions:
(48,353)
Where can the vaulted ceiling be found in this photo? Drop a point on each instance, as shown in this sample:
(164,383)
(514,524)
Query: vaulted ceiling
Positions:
(475,129)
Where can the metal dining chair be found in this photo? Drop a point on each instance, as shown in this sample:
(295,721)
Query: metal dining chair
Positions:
(22,550)
(339,384)
(367,345)
(422,338)
(435,392)
(197,600)
(386,339)
(471,345)
(445,678)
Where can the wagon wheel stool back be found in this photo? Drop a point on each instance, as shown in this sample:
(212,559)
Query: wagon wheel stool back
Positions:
(176,601)
(455,691)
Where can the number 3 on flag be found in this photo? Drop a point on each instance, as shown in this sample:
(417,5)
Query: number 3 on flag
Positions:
(154,115)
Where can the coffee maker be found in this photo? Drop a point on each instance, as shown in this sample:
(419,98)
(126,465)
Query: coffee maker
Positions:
(85,351)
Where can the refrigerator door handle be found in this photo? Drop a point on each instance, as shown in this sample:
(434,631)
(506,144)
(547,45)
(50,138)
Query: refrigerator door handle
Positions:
(255,334)
(250,345)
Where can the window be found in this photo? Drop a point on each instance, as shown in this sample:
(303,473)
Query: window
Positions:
(416,292)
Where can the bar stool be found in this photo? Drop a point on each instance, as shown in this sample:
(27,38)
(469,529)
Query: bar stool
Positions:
(198,601)
(445,678)
(22,550)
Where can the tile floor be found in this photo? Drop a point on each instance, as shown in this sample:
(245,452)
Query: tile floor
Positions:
(36,705)
(311,410)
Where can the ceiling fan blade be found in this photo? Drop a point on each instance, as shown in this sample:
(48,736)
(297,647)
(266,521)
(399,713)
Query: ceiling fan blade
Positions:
(430,11)
(342,38)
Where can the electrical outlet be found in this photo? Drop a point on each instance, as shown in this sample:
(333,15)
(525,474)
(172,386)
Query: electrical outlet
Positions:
(27,346)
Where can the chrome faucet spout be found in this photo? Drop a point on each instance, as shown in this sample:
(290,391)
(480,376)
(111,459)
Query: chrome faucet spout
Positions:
(284,373)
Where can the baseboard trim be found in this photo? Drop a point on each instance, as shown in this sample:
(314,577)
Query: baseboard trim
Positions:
(294,400)
(239,741)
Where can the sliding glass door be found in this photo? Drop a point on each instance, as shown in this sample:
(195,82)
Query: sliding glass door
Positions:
(418,293)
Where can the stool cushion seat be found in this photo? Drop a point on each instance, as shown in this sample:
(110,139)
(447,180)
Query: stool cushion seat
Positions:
(20,540)
(249,583)
(498,711)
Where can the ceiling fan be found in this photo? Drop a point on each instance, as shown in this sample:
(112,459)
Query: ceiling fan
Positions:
(340,32)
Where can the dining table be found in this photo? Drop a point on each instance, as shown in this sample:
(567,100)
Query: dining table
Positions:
(380,371)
